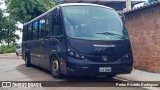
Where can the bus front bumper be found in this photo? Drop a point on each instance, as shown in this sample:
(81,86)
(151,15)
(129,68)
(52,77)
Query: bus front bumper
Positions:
(89,68)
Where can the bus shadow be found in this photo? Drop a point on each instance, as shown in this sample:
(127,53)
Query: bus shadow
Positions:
(35,71)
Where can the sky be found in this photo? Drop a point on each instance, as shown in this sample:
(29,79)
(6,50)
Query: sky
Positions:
(3,6)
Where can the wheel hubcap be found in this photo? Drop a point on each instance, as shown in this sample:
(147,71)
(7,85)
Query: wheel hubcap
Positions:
(55,67)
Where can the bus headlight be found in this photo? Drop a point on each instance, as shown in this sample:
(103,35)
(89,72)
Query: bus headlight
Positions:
(82,57)
(72,54)
(75,55)
(126,56)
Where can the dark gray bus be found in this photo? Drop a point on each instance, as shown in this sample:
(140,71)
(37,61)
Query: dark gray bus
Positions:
(78,39)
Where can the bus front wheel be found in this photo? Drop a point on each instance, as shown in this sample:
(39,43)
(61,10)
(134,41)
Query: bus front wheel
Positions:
(17,54)
(55,68)
(27,61)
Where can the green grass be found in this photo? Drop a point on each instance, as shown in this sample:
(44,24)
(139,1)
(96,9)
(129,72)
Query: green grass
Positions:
(6,49)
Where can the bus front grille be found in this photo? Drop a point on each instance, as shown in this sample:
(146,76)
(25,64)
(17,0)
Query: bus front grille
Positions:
(103,59)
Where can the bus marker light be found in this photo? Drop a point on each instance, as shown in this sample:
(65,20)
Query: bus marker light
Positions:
(61,62)
(77,56)
(68,50)
(82,57)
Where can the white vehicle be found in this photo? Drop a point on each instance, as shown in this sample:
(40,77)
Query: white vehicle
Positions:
(18,49)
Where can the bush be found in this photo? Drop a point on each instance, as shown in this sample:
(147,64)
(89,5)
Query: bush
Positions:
(6,49)
(9,50)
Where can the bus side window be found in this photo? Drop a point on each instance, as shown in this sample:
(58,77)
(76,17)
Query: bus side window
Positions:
(42,28)
(48,26)
(53,21)
(29,36)
(57,25)
(35,30)
(25,33)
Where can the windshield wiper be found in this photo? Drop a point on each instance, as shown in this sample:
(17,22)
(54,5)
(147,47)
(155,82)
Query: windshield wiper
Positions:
(108,33)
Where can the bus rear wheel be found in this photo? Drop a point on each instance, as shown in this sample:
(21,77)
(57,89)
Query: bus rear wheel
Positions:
(27,61)
(55,68)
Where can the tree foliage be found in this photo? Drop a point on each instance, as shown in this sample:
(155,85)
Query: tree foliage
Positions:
(7,29)
(2,25)
(22,11)
(1,15)
(25,10)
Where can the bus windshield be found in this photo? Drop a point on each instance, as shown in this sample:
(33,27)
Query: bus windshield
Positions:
(93,22)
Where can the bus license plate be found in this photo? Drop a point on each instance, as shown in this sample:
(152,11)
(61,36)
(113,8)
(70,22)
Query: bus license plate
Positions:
(105,69)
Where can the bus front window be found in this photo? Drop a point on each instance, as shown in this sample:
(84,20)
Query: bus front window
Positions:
(93,22)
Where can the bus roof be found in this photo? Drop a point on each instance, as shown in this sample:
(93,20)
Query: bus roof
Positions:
(63,5)
(83,4)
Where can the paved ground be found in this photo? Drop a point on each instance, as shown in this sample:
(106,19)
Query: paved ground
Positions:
(12,68)
(138,75)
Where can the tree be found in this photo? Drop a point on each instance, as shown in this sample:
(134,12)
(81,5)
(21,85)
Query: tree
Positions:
(25,10)
(9,31)
(1,26)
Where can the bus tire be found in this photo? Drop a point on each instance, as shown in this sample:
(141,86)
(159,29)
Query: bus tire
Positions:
(27,61)
(55,68)
(17,54)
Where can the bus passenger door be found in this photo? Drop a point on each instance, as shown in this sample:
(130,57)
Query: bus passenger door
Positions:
(41,56)
(41,43)
(34,43)
(46,46)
